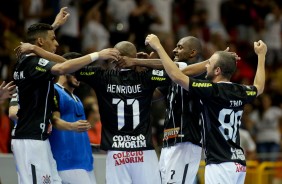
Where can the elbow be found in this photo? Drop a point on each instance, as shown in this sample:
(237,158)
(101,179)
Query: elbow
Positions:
(59,69)
(181,80)
(177,78)
(260,89)
(13,117)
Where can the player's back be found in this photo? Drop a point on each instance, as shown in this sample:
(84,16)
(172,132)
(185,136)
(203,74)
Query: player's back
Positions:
(222,109)
(124,99)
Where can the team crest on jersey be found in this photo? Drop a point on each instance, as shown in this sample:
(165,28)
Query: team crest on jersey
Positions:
(43,62)
(158,72)
(46,179)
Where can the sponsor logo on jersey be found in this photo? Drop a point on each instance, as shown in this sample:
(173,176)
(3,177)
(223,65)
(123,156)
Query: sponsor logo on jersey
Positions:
(237,154)
(43,62)
(40,69)
(240,168)
(127,141)
(201,84)
(18,75)
(46,179)
(251,93)
(126,157)
(158,72)
(87,73)
(171,133)
(158,78)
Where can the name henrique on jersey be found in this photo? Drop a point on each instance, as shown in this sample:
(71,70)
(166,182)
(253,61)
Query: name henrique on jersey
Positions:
(124,99)
(222,108)
(35,89)
(182,116)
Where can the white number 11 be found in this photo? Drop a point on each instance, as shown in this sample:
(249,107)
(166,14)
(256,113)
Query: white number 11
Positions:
(120,111)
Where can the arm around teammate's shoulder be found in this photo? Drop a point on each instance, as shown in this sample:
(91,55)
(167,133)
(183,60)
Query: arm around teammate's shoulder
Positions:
(73,65)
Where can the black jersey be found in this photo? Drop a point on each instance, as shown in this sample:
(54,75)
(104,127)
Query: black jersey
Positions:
(222,108)
(35,90)
(124,99)
(182,116)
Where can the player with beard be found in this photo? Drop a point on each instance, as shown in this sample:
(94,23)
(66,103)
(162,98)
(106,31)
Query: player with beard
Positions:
(222,104)
(71,148)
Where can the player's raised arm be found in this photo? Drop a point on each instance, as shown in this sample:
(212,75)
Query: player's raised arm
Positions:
(259,81)
(61,18)
(172,70)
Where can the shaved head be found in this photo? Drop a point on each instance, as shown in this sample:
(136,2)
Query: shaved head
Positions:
(126,49)
(193,43)
(188,50)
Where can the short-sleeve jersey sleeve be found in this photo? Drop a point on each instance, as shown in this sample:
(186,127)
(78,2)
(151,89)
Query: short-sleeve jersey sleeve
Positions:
(87,74)
(251,92)
(202,88)
(40,68)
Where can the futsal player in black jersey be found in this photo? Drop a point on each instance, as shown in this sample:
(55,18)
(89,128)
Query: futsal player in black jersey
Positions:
(181,153)
(221,109)
(124,99)
(33,77)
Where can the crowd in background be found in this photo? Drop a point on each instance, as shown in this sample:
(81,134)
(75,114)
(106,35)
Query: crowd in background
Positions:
(95,25)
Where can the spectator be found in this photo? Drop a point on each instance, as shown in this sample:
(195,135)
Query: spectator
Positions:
(118,13)
(272,35)
(267,120)
(94,35)
(5,131)
(143,15)
(248,144)
(93,116)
